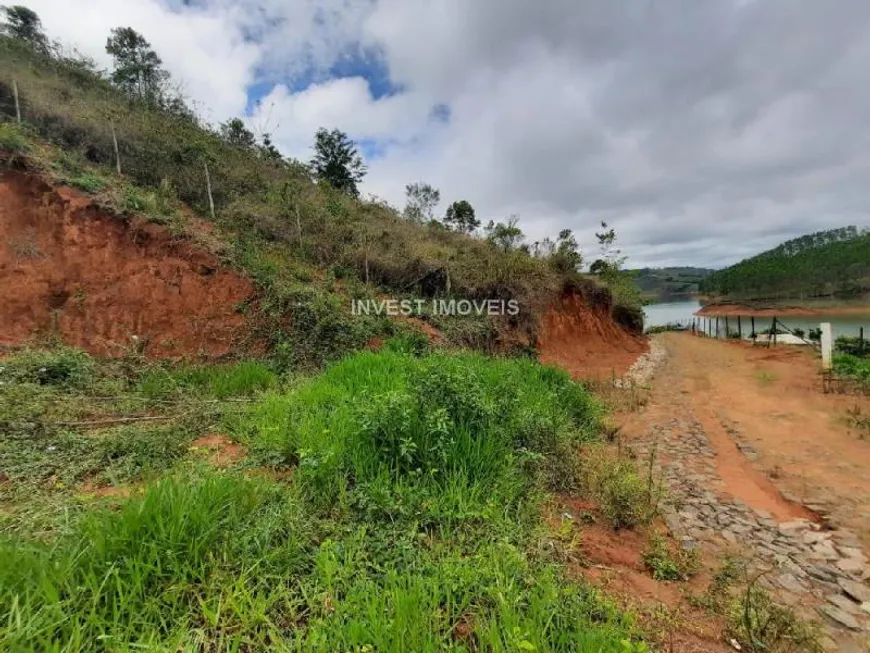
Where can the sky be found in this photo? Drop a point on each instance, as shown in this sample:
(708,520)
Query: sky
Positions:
(703,132)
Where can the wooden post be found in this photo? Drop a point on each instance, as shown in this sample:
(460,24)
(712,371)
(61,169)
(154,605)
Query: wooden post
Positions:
(717,327)
(366,254)
(827,345)
(739,328)
(861,339)
(298,225)
(208,188)
(772,333)
(17,104)
(754,332)
(727,334)
(115,144)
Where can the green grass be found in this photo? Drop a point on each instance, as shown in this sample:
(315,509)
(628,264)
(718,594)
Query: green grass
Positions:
(852,366)
(13,138)
(408,520)
(216,381)
(666,564)
(442,437)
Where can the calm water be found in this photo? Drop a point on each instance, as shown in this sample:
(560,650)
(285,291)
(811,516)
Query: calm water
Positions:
(842,325)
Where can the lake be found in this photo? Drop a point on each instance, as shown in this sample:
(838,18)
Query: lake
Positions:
(683,312)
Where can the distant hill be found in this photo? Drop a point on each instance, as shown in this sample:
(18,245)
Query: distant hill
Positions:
(832,263)
(668,284)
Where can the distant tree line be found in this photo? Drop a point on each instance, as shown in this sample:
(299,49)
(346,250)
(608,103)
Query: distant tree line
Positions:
(832,263)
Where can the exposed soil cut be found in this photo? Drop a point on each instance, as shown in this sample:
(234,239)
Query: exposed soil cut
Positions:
(107,284)
(579,334)
(220,449)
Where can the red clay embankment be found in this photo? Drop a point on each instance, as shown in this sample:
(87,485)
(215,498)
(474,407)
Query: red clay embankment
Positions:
(69,269)
(579,334)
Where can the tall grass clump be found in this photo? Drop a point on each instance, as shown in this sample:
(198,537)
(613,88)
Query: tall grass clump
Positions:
(437,437)
(164,566)
(217,381)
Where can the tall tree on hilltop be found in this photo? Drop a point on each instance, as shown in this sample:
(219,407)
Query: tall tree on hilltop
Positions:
(236,134)
(24,24)
(460,217)
(422,200)
(138,70)
(506,236)
(336,161)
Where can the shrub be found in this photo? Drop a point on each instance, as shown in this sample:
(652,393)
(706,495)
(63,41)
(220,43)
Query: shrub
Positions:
(852,346)
(62,366)
(88,182)
(759,624)
(666,565)
(12,138)
(439,436)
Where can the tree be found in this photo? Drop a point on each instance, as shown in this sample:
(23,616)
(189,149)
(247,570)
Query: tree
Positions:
(566,257)
(422,200)
(610,260)
(24,24)
(268,150)
(337,162)
(460,217)
(236,134)
(505,236)
(138,70)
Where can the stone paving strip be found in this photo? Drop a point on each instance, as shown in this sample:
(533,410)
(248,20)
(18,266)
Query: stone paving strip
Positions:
(808,561)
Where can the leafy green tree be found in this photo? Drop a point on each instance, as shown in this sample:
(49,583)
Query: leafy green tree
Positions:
(505,235)
(337,162)
(236,134)
(138,70)
(25,25)
(460,217)
(421,202)
(566,256)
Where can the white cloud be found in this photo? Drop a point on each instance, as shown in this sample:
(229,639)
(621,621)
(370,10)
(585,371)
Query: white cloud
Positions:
(703,131)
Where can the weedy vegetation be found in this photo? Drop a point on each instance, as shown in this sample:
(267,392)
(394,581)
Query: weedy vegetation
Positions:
(391,502)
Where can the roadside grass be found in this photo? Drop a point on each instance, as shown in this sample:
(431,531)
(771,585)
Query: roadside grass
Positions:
(408,520)
(665,563)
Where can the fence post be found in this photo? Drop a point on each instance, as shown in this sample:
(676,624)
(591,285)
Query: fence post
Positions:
(115,143)
(717,327)
(17,105)
(298,224)
(754,332)
(208,188)
(739,328)
(861,339)
(726,328)
(772,333)
(827,345)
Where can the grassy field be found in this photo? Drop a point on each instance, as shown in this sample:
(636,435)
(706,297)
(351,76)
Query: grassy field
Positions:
(391,503)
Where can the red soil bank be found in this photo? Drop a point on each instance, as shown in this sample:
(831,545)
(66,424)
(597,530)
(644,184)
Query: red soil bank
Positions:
(96,280)
(579,334)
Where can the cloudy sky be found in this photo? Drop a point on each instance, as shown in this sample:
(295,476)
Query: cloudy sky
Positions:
(703,131)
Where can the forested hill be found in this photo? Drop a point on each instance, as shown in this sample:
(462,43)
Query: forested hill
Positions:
(668,284)
(832,263)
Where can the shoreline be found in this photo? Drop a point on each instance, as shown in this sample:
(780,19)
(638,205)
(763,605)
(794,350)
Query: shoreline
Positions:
(733,309)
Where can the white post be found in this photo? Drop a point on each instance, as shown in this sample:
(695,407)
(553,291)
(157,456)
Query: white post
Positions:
(208,188)
(117,152)
(17,105)
(827,345)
